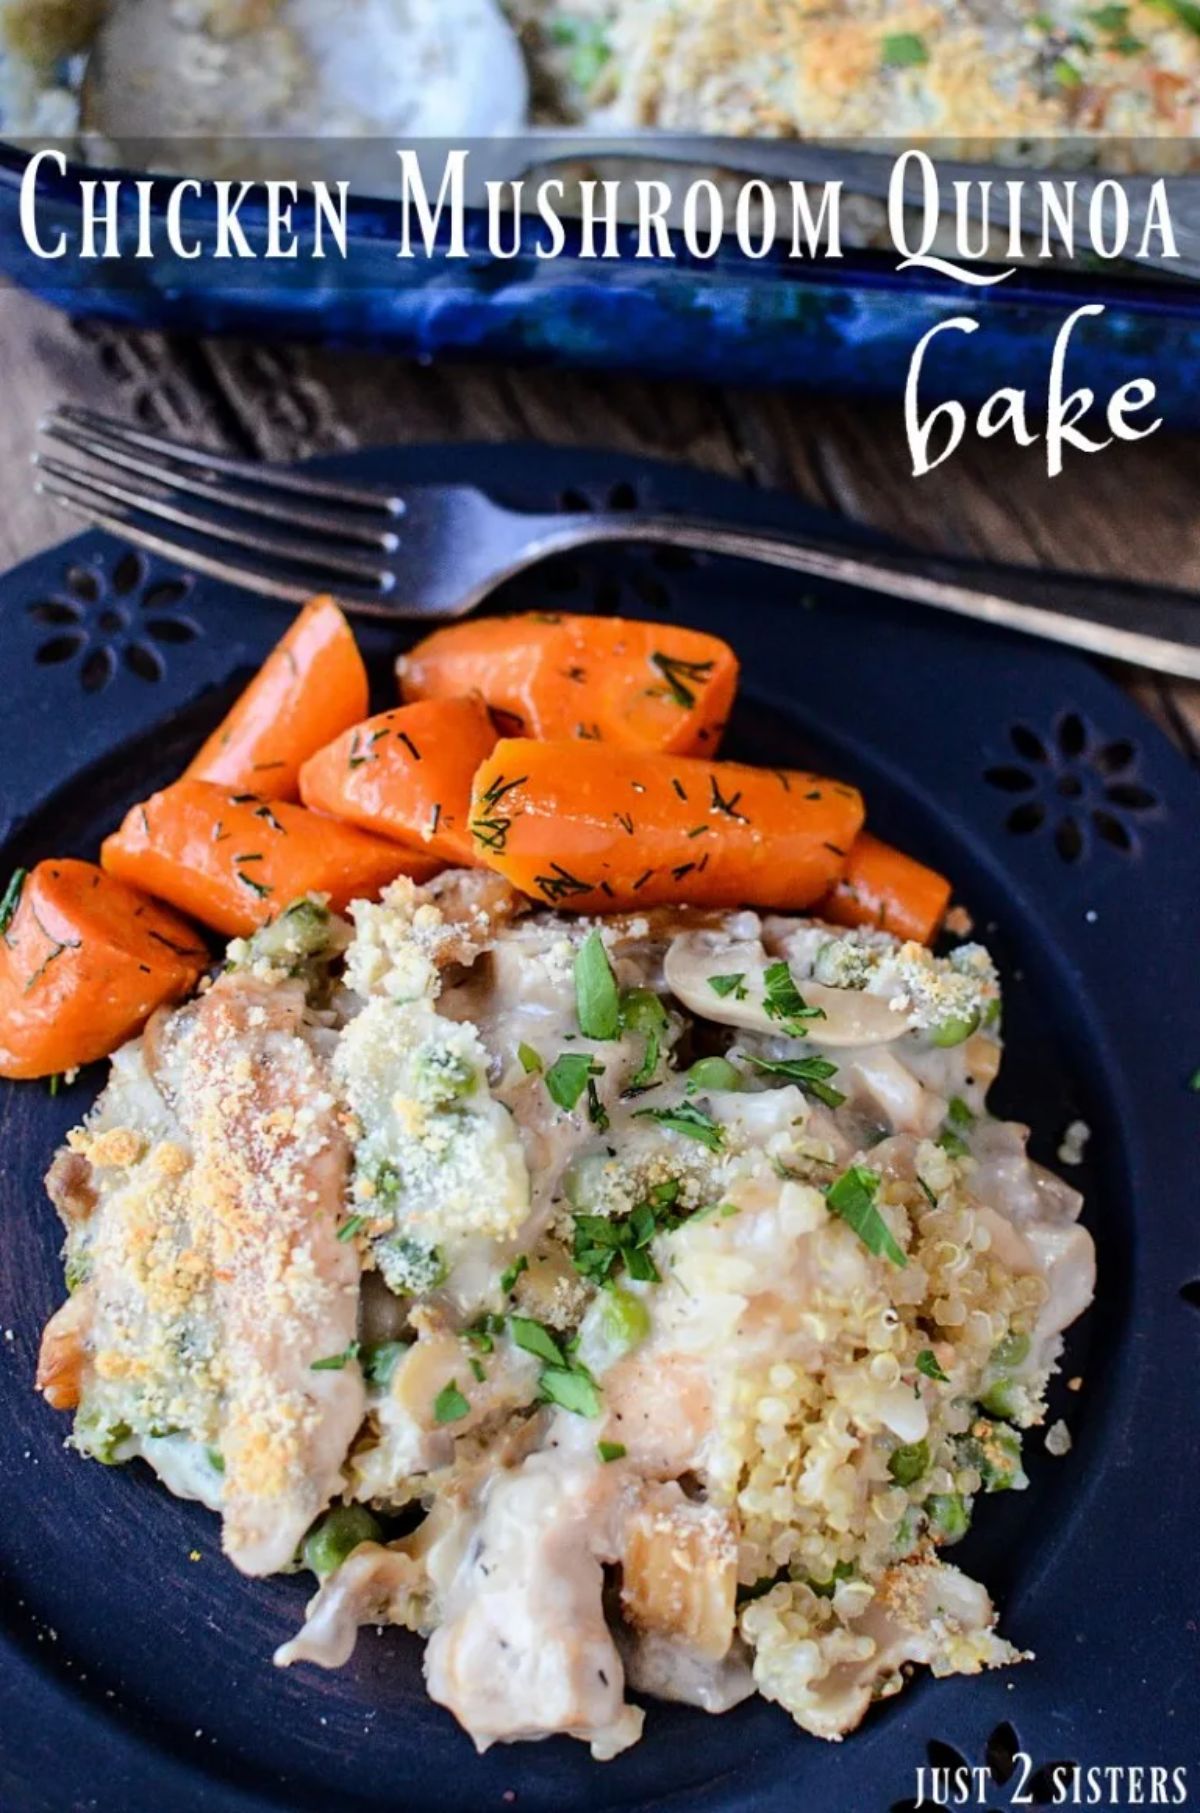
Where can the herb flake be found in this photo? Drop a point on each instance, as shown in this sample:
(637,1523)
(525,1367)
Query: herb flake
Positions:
(852,1198)
(450,1406)
(597,1001)
(689,1122)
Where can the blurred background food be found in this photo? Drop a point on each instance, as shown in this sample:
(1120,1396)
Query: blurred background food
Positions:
(130,69)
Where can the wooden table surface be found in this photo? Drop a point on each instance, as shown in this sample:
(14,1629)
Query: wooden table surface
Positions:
(1132,511)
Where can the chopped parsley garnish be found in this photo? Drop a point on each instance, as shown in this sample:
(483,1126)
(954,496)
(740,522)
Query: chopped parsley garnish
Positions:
(953,1143)
(597,1112)
(334,1362)
(536,1339)
(477,1372)
(380,1362)
(350,1228)
(851,1197)
(784,1003)
(568,1077)
(611,1451)
(597,1001)
(812,1075)
(1185,11)
(904,50)
(12,898)
(450,1406)
(563,1380)
(531,1062)
(958,1114)
(927,1363)
(602,1245)
(571,1388)
(734,985)
(688,1121)
(511,1273)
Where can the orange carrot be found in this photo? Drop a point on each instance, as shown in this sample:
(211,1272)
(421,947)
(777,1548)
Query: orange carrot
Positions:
(84,962)
(595,829)
(638,685)
(882,887)
(407,774)
(233,860)
(310,688)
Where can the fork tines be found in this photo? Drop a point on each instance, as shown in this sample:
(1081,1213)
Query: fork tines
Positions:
(129,480)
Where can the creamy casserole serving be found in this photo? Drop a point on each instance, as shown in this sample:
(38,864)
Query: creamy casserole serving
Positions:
(644,1304)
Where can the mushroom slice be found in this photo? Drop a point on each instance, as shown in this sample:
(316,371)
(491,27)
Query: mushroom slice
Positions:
(848,1017)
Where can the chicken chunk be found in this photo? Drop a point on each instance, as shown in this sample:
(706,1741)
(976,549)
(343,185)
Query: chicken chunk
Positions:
(214,1303)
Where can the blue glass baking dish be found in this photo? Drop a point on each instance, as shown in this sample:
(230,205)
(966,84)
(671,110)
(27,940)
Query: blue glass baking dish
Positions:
(848,327)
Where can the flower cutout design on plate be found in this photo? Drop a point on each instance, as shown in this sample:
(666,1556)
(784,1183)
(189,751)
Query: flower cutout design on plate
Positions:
(1075,785)
(104,619)
(1005,1767)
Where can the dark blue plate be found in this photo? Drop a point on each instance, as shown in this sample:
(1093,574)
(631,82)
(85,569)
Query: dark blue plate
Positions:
(136,1671)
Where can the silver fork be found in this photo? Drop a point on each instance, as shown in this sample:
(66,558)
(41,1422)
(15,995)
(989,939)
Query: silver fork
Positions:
(434,552)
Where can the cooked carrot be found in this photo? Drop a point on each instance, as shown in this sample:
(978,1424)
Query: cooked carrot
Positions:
(310,688)
(882,887)
(407,774)
(595,829)
(234,860)
(639,685)
(84,961)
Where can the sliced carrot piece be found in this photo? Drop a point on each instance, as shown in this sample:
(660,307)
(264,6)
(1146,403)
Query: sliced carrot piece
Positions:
(310,688)
(639,685)
(407,774)
(235,860)
(882,887)
(84,962)
(595,829)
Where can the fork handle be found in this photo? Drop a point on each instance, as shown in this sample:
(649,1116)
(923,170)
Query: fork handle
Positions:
(1093,614)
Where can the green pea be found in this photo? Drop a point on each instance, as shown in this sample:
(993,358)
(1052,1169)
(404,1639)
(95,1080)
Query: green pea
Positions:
(955,1030)
(1001,1399)
(949,1515)
(907,1464)
(642,1011)
(713,1073)
(624,1319)
(336,1536)
(1010,1353)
